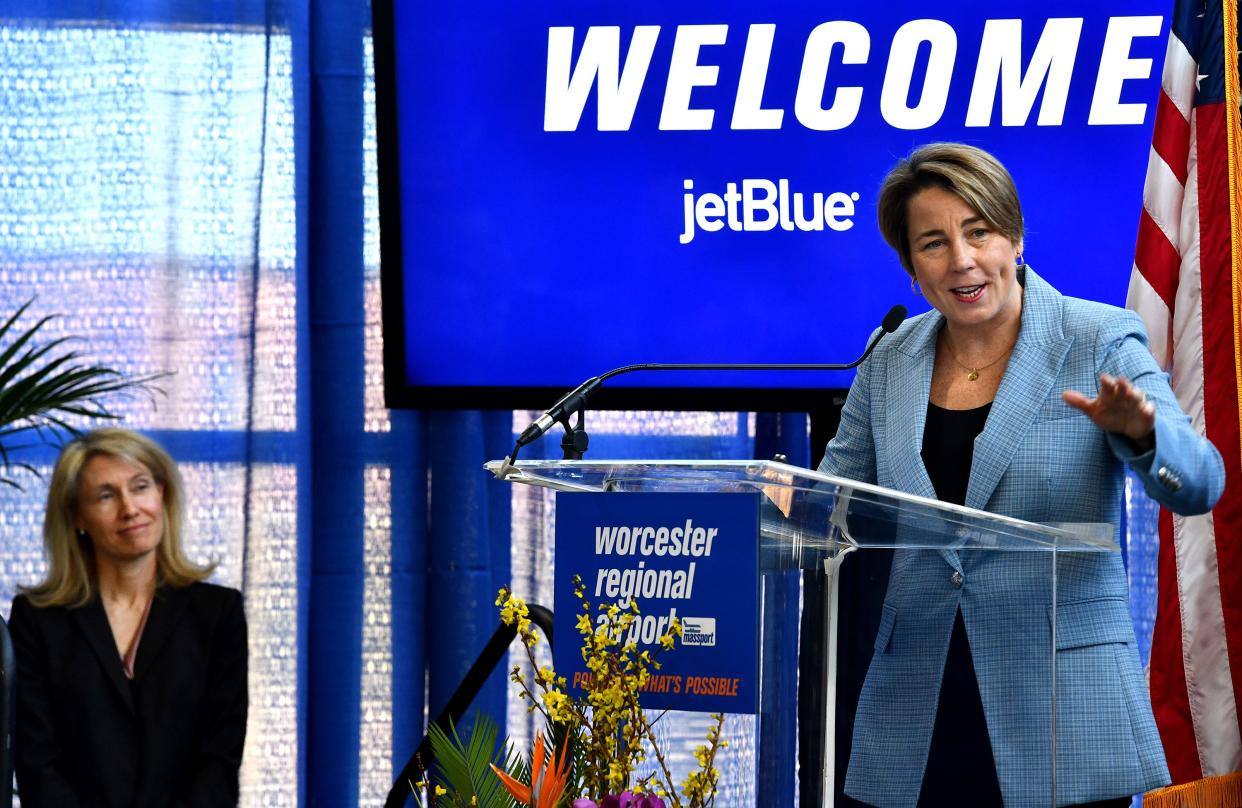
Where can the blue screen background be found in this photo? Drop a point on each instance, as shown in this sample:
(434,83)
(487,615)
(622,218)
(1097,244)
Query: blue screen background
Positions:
(537,259)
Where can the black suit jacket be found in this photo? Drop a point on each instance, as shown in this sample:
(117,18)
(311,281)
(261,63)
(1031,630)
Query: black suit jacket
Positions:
(173,736)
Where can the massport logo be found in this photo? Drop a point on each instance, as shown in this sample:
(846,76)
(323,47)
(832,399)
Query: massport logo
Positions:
(698,631)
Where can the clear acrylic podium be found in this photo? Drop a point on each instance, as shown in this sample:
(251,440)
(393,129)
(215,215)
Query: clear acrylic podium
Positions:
(812,522)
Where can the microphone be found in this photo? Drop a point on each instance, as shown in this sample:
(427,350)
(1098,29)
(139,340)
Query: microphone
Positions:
(888,325)
(572,401)
(568,404)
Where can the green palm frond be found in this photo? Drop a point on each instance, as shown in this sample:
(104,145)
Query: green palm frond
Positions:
(450,759)
(45,387)
(466,767)
(480,754)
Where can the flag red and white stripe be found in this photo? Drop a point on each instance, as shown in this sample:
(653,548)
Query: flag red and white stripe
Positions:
(1185,285)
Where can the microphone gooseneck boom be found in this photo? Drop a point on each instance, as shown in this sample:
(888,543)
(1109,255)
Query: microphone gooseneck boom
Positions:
(575,442)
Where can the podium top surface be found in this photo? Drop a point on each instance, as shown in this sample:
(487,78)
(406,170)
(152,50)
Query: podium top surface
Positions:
(804,509)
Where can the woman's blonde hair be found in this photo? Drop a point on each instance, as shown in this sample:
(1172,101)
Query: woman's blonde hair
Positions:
(71,576)
(971,173)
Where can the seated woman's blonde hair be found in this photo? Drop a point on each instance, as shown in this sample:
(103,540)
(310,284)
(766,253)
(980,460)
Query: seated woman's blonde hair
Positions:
(71,575)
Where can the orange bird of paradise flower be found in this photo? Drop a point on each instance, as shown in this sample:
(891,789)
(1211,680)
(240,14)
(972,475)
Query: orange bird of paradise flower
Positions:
(545,793)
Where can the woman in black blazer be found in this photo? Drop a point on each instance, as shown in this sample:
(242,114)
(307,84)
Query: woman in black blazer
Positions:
(131,671)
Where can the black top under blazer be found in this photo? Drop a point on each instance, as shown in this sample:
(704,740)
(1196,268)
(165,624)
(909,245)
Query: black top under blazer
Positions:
(173,736)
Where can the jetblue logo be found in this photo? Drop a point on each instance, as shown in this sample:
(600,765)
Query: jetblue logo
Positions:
(764,205)
(698,631)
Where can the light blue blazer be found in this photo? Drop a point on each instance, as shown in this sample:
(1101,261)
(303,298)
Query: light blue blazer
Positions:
(1041,460)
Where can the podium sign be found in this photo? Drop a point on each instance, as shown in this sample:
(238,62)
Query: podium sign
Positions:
(693,557)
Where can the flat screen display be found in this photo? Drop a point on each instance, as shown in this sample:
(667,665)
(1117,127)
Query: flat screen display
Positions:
(570,187)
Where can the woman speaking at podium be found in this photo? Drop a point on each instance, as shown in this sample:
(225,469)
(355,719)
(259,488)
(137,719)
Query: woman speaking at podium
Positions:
(1010,398)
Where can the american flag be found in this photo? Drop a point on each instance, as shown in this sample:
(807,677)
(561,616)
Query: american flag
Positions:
(1187,286)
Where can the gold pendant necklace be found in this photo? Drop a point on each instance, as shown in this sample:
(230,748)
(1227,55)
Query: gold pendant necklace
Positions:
(972,373)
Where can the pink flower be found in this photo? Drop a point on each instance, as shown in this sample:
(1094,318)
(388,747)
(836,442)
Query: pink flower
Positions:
(626,799)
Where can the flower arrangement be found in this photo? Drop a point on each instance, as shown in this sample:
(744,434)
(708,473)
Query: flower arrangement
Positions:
(598,745)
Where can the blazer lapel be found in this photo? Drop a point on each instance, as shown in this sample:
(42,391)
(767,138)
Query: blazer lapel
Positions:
(92,621)
(908,388)
(167,609)
(1033,369)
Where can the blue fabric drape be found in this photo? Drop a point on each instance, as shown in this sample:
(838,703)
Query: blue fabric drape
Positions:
(334,227)
(409,584)
(448,558)
(468,552)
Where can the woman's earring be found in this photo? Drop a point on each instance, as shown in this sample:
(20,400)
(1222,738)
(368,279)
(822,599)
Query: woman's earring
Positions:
(1020,261)
(914,286)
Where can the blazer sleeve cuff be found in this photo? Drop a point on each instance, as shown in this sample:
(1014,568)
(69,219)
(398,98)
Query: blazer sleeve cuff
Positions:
(1129,453)
(1184,472)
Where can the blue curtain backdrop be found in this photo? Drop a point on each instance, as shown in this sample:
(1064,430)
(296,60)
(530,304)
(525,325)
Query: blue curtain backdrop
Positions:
(191,186)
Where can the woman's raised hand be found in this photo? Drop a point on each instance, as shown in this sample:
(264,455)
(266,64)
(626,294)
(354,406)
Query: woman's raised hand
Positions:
(1120,407)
